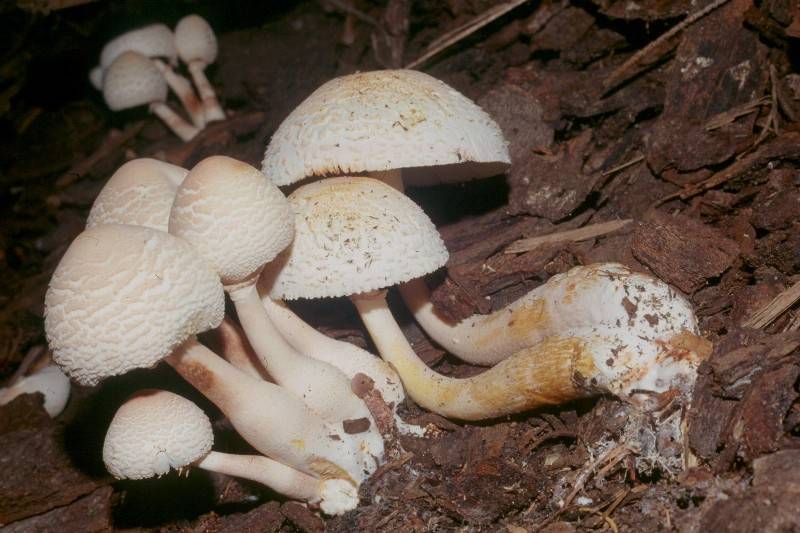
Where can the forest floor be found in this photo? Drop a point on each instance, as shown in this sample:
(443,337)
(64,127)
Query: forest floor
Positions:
(693,144)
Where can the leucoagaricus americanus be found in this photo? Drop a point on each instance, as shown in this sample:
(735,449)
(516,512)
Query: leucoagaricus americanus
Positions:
(139,193)
(49,381)
(157,42)
(132,80)
(406,128)
(155,431)
(239,221)
(197,47)
(362,236)
(126,297)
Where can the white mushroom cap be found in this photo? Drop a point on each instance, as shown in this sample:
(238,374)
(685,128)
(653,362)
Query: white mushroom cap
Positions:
(124,297)
(139,193)
(355,235)
(195,40)
(154,431)
(133,80)
(50,381)
(386,120)
(154,40)
(233,215)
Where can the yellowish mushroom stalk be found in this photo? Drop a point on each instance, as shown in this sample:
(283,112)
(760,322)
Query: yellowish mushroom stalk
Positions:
(354,236)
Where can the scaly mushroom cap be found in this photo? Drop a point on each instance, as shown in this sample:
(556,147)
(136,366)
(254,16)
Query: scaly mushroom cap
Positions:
(139,193)
(233,215)
(385,120)
(195,40)
(133,80)
(154,40)
(354,235)
(154,431)
(124,297)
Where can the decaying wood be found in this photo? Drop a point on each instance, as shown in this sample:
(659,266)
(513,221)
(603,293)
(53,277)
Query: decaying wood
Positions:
(575,235)
(767,314)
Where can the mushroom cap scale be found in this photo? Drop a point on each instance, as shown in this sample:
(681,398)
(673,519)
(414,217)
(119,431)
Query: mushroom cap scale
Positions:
(353,235)
(133,80)
(125,297)
(386,120)
(233,215)
(139,193)
(195,40)
(154,431)
(154,40)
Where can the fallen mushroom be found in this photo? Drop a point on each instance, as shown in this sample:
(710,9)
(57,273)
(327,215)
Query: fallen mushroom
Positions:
(153,41)
(126,297)
(403,127)
(155,431)
(239,221)
(139,193)
(197,47)
(361,235)
(133,80)
(49,381)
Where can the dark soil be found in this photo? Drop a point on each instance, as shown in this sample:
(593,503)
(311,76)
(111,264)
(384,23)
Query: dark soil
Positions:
(698,144)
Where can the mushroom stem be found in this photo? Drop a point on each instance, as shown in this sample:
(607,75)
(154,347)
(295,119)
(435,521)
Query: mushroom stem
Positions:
(273,422)
(229,340)
(323,387)
(183,90)
(273,474)
(548,374)
(179,127)
(213,111)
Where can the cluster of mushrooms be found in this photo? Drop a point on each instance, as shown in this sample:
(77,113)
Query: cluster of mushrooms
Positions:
(138,68)
(163,245)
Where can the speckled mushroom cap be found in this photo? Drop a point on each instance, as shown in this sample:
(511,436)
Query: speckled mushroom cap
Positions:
(139,193)
(125,297)
(354,235)
(133,80)
(233,215)
(195,39)
(154,431)
(154,40)
(384,120)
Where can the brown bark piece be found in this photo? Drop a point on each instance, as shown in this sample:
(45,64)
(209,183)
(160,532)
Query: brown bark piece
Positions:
(682,251)
(302,518)
(266,518)
(89,514)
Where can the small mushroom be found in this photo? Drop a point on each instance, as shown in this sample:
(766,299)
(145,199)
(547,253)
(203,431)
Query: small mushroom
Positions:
(133,80)
(125,297)
(155,431)
(153,41)
(197,47)
(50,381)
(239,221)
(362,235)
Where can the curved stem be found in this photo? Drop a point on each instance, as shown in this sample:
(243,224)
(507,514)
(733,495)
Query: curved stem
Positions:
(174,122)
(324,388)
(552,372)
(213,111)
(229,340)
(185,93)
(274,422)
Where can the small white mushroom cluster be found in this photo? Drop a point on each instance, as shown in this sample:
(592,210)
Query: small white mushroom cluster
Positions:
(163,245)
(137,68)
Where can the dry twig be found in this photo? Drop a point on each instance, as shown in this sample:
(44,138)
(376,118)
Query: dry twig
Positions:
(631,67)
(465,30)
(768,313)
(573,235)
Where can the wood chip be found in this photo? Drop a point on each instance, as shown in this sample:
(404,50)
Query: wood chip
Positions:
(767,314)
(575,235)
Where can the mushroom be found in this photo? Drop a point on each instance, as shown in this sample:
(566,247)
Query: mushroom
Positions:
(197,47)
(152,41)
(156,430)
(126,297)
(362,236)
(398,126)
(133,80)
(239,221)
(50,381)
(140,193)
